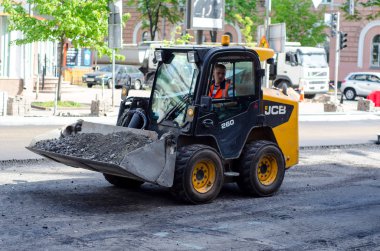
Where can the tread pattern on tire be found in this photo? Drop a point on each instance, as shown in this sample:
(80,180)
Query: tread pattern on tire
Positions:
(184,154)
(248,154)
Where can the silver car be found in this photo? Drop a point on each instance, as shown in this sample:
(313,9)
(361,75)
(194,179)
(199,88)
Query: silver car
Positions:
(360,84)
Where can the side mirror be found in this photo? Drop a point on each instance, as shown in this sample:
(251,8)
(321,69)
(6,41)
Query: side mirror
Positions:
(206,103)
(270,61)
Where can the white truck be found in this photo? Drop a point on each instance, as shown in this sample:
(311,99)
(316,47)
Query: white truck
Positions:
(301,67)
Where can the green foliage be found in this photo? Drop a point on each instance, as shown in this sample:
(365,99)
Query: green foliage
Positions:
(152,11)
(60,104)
(246,10)
(83,22)
(183,39)
(368,4)
(247,25)
(303,23)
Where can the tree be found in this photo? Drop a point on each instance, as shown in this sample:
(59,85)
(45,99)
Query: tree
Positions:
(370,5)
(246,10)
(302,23)
(247,25)
(83,22)
(153,10)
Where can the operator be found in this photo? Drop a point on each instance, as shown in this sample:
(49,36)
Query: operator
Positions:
(220,85)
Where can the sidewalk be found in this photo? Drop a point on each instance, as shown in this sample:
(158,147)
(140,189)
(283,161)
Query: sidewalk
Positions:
(309,111)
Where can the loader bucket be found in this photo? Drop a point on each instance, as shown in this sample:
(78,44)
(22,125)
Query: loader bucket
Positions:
(153,162)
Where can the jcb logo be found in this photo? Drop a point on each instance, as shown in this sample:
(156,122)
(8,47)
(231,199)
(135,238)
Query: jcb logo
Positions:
(275,110)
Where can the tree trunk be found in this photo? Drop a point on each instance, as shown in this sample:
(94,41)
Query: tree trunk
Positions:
(60,65)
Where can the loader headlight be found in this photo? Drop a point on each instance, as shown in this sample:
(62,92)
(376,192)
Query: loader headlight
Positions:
(124,92)
(159,55)
(190,112)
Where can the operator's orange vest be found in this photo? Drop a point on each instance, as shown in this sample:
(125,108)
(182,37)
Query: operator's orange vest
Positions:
(221,92)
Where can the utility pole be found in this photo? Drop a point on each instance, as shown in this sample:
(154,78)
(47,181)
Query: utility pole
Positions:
(114,37)
(268,9)
(335,17)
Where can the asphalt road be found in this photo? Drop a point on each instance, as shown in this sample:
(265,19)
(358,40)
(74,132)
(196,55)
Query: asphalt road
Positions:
(324,133)
(13,139)
(330,201)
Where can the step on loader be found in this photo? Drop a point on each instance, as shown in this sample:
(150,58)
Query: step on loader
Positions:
(196,141)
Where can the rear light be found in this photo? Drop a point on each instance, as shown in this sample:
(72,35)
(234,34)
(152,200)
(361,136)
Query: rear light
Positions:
(343,82)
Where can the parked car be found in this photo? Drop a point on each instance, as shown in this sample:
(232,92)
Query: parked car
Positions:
(125,74)
(360,84)
(137,77)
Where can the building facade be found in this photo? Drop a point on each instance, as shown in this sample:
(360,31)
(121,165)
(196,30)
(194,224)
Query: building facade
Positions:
(134,33)
(19,64)
(363,42)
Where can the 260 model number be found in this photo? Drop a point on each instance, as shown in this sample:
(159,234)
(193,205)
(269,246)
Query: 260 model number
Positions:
(228,124)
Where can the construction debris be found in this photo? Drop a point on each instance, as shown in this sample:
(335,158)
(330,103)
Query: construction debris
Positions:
(365,105)
(110,148)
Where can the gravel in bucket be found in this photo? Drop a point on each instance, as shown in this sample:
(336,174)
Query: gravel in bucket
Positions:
(110,148)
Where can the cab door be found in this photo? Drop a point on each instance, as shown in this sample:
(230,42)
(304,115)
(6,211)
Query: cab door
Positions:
(231,118)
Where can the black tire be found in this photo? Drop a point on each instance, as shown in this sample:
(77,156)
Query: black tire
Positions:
(89,85)
(122,182)
(270,156)
(122,119)
(310,96)
(350,93)
(194,180)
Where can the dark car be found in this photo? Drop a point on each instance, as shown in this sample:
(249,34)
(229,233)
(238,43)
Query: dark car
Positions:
(124,74)
(137,77)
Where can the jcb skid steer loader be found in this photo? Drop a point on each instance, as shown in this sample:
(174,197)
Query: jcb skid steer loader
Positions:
(199,142)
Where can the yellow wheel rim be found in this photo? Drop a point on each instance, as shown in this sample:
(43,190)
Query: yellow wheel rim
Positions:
(203,176)
(267,170)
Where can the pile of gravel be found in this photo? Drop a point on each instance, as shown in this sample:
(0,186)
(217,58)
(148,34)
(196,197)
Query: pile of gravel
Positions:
(110,148)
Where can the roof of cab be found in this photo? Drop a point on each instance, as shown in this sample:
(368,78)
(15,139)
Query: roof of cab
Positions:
(264,53)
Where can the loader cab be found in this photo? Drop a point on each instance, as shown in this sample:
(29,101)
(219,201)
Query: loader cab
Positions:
(242,85)
(180,99)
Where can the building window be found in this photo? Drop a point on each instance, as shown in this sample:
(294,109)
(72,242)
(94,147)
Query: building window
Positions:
(375,55)
(326,1)
(229,34)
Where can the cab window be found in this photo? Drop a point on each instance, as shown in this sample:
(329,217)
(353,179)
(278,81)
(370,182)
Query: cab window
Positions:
(239,84)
